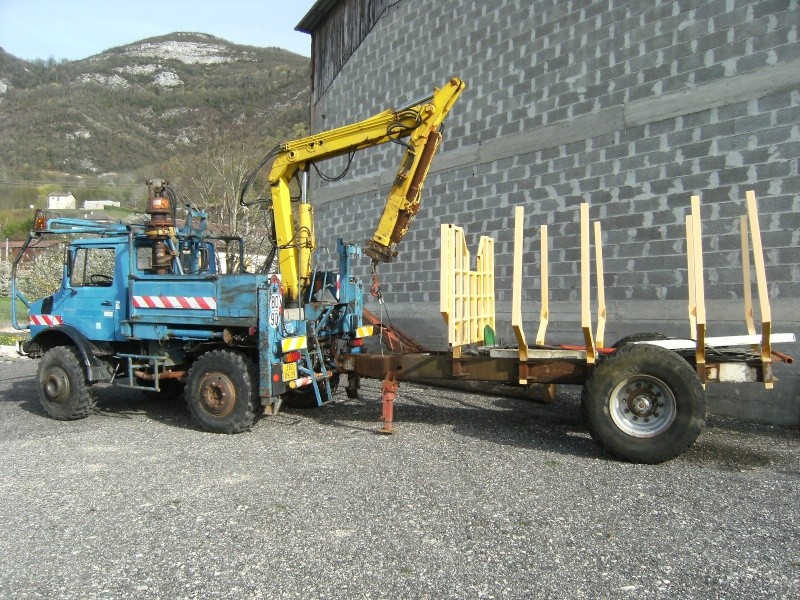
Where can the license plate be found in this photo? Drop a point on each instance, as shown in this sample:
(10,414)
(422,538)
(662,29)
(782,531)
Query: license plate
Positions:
(289,371)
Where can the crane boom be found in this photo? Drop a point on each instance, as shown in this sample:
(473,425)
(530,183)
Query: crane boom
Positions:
(418,123)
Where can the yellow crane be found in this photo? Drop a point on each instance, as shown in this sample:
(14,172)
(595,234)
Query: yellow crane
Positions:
(416,127)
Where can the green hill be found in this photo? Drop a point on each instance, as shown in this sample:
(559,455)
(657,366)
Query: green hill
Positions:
(144,104)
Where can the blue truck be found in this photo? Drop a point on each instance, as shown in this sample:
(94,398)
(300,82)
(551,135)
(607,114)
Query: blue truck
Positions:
(148,306)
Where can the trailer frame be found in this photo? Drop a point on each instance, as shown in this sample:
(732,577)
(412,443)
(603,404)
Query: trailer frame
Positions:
(467,305)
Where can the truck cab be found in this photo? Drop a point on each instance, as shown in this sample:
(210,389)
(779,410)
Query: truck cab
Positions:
(92,296)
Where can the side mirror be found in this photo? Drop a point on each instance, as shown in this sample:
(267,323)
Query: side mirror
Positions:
(69,258)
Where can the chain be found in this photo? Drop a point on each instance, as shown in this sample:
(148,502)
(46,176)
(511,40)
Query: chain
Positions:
(375,290)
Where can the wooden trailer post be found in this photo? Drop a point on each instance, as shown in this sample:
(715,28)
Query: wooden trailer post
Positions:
(763,293)
(747,292)
(601,291)
(690,277)
(544,312)
(446,280)
(484,316)
(699,289)
(516,294)
(586,313)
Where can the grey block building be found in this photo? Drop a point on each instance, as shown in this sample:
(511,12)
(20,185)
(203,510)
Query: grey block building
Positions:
(630,106)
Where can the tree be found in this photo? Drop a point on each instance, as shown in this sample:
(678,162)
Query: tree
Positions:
(5,278)
(212,180)
(42,276)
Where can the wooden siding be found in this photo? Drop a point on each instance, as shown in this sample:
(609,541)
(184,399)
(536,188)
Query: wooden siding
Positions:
(339,35)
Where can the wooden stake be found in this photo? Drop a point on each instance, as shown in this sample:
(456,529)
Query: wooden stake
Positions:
(690,278)
(747,292)
(544,313)
(516,287)
(601,292)
(699,286)
(763,292)
(586,314)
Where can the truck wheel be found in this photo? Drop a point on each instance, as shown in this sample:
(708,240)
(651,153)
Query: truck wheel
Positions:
(222,392)
(306,398)
(644,404)
(63,390)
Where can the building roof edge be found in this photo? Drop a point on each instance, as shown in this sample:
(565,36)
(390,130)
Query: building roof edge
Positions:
(315,15)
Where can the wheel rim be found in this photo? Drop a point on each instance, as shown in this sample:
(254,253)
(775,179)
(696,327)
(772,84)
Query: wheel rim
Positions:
(642,406)
(217,394)
(56,385)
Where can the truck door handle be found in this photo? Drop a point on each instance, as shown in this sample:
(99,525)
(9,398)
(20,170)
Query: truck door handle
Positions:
(106,303)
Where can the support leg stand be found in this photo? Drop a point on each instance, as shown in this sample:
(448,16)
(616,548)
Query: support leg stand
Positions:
(389,391)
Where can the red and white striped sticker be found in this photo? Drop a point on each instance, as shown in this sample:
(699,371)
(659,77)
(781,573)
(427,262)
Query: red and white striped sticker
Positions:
(49,320)
(188,302)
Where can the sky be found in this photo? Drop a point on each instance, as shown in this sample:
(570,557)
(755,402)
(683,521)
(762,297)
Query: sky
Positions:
(76,29)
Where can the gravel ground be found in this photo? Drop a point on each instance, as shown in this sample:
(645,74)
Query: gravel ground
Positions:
(475,497)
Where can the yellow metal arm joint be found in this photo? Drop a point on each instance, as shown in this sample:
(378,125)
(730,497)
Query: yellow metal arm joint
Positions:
(418,123)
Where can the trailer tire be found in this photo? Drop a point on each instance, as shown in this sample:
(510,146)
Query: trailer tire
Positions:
(644,404)
(306,398)
(222,392)
(64,392)
(639,337)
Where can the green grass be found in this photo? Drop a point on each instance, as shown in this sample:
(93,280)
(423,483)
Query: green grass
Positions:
(119,212)
(5,312)
(10,339)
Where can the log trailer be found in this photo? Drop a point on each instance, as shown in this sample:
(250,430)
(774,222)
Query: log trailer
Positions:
(643,398)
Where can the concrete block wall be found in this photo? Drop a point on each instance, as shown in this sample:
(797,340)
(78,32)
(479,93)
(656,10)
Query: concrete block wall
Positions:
(631,106)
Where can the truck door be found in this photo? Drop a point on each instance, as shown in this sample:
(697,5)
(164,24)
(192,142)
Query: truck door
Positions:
(93,304)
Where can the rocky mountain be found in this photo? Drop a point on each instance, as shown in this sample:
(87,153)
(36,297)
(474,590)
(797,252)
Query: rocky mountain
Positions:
(146,102)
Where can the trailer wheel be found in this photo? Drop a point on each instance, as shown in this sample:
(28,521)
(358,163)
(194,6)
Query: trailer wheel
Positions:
(63,390)
(644,404)
(222,392)
(306,398)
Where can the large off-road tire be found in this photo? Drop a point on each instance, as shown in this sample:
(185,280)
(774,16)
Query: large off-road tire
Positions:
(639,337)
(306,398)
(644,404)
(222,392)
(63,390)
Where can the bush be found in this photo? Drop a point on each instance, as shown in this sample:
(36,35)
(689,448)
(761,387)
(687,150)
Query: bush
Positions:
(42,276)
(5,278)
(16,230)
